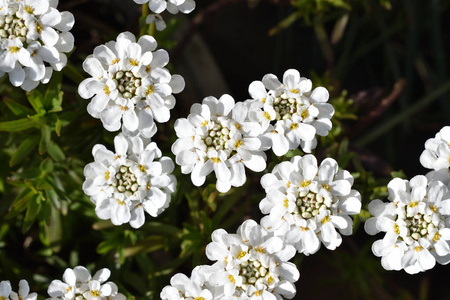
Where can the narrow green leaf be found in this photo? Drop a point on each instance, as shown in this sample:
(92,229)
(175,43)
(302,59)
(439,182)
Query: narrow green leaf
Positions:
(53,96)
(35,98)
(33,210)
(20,203)
(17,108)
(58,126)
(47,165)
(45,139)
(55,152)
(17,125)
(24,150)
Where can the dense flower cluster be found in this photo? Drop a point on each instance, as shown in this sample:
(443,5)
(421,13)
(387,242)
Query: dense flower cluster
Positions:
(79,284)
(216,136)
(415,221)
(251,264)
(34,37)
(124,184)
(306,203)
(129,85)
(291,114)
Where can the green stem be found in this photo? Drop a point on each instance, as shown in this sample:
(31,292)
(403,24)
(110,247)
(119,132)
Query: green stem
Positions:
(142,23)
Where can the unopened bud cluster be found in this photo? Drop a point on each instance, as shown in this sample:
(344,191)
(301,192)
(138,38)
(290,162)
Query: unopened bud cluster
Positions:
(127,83)
(252,271)
(419,225)
(217,137)
(126,181)
(285,107)
(13,25)
(310,204)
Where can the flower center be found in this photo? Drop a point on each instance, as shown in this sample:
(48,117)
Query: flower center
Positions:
(310,204)
(127,83)
(217,137)
(12,25)
(251,271)
(126,181)
(419,225)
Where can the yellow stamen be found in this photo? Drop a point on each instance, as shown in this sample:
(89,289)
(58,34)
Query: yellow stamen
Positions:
(413,204)
(238,126)
(106,90)
(418,248)
(260,249)
(231,279)
(294,126)
(396,229)
(215,160)
(304,114)
(434,209)
(325,220)
(150,90)
(39,27)
(305,183)
(437,236)
(286,203)
(295,91)
(142,168)
(326,186)
(14,49)
(107,175)
(238,143)
(29,9)
(241,254)
(115,61)
(134,62)
(120,202)
(95,293)
(267,115)
(124,108)
(204,123)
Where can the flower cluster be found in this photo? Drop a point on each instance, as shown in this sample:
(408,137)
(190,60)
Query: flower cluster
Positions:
(251,264)
(131,86)
(124,184)
(290,112)
(436,156)
(172,6)
(79,284)
(306,203)
(415,221)
(217,136)
(34,37)
(7,293)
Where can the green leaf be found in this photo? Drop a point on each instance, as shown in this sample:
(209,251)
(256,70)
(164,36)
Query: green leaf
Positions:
(58,126)
(53,96)
(17,125)
(32,212)
(17,108)
(20,203)
(24,150)
(35,98)
(56,152)
(47,165)
(45,139)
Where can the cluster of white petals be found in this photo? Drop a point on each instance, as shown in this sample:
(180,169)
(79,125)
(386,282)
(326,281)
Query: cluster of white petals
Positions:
(79,284)
(251,264)
(415,221)
(196,287)
(125,184)
(290,112)
(172,6)
(34,37)
(217,136)
(7,293)
(436,156)
(130,85)
(306,203)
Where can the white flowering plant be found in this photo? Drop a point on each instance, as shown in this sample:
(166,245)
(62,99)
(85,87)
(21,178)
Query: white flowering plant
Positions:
(175,149)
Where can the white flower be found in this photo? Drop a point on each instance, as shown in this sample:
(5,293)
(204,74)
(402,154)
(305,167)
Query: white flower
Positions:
(436,156)
(182,287)
(158,20)
(5,289)
(415,222)
(251,263)
(173,6)
(34,37)
(129,85)
(78,282)
(217,137)
(23,293)
(306,203)
(290,113)
(130,181)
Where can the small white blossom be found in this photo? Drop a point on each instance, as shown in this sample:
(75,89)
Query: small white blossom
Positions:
(129,87)
(181,287)
(158,20)
(307,203)
(79,284)
(216,136)
(172,6)
(125,184)
(415,223)
(290,113)
(34,37)
(436,156)
(250,264)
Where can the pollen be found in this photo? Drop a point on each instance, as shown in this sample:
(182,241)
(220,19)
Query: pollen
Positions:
(148,186)
(39,27)
(413,204)
(434,209)
(115,61)
(396,229)
(304,114)
(116,157)
(288,184)
(294,126)
(142,168)
(238,143)
(304,228)
(241,254)
(418,248)
(270,280)
(120,202)
(107,175)
(29,9)
(238,126)
(286,203)
(305,183)
(260,249)
(199,298)
(215,160)
(134,62)
(326,186)
(204,123)
(325,220)
(437,236)
(124,108)
(267,115)
(295,91)
(150,90)
(95,293)
(106,90)
(258,293)
(231,279)
(14,49)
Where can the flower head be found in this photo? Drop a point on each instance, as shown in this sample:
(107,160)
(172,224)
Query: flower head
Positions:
(290,113)
(125,184)
(172,6)
(216,136)
(306,203)
(415,223)
(251,263)
(129,85)
(34,37)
